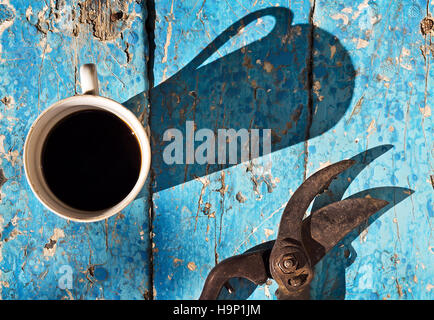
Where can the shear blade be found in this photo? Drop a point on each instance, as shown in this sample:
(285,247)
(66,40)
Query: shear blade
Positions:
(292,217)
(324,228)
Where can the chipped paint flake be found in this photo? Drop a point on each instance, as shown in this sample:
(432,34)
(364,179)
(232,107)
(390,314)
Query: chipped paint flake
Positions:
(3,180)
(2,147)
(268,232)
(51,246)
(1,242)
(426,111)
(168,34)
(324,164)
(360,8)
(177,262)
(240,197)
(107,19)
(191,266)
(341,16)
(332,51)
(268,67)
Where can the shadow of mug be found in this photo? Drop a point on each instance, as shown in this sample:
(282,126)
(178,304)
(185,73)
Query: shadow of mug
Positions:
(330,277)
(263,85)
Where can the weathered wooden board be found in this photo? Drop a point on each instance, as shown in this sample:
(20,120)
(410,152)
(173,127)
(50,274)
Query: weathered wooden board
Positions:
(368,102)
(42,45)
(393,258)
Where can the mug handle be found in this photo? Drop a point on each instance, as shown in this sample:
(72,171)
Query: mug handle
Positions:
(89,79)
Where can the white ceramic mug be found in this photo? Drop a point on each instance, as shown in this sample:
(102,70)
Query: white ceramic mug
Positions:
(89,100)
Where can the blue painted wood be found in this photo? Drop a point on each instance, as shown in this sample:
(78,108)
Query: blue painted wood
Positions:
(369,75)
(199,222)
(42,46)
(394,255)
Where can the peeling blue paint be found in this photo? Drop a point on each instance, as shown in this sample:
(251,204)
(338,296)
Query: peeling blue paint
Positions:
(199,220)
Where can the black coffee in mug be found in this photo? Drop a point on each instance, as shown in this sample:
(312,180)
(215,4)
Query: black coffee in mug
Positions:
(91,160)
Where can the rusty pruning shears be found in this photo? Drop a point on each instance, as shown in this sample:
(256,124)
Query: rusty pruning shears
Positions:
(300,244)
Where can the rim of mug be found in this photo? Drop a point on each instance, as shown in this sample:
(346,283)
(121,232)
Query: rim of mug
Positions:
(127,117)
